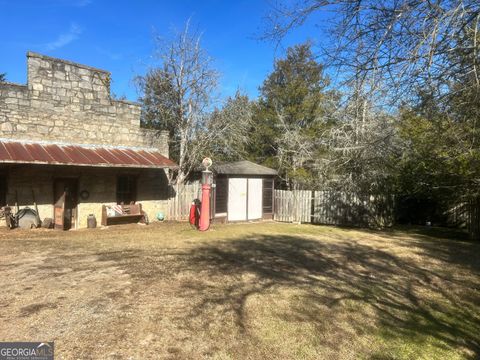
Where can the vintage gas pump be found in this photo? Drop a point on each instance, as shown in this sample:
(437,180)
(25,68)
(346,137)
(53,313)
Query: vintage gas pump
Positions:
(207,180)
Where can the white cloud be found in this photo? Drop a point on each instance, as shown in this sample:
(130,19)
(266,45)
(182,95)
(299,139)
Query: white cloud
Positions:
(65,38)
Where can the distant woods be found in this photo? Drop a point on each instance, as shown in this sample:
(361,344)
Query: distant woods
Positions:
(280,129)
(401,118)
(3,77)
(408,123)
(292,117)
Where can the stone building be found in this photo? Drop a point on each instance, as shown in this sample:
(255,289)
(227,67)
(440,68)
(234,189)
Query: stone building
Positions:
(63,132)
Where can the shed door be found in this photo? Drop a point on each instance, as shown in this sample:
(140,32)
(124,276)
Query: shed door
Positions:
(254,199)
(237,199)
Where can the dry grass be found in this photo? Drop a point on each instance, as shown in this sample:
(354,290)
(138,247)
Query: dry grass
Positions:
(244,291)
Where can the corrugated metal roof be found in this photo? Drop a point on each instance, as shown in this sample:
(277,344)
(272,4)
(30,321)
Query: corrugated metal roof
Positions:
(244,167)
(13,152)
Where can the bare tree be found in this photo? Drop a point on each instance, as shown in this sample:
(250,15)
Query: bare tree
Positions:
(231,126)
(178,94)
(411,44)
(294,148)
(384,52)
(361,148)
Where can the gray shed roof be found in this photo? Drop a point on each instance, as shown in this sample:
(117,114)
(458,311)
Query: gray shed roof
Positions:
(244,167)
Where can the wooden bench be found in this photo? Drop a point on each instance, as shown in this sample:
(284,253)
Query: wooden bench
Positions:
(131,214)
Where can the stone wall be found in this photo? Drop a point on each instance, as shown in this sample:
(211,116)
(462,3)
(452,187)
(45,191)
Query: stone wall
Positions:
(65,102)
(68,102)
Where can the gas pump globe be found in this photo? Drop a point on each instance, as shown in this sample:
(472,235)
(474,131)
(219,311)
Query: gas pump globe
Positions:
(207,162)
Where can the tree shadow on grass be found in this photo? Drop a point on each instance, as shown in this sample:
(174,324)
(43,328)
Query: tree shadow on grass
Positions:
(453,234)
(409,300)
(452,246)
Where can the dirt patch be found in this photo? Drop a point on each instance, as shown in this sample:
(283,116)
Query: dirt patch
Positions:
(35,308)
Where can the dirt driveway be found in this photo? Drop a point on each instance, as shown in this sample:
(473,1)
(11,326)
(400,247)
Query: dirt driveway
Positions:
(245,291)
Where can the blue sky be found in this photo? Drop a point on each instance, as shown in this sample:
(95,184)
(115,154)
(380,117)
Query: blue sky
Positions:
(117,36)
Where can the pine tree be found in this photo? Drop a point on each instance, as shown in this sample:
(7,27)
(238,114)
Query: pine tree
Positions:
(290,116)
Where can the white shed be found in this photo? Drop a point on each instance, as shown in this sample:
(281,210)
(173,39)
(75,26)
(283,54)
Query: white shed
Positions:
(243,191)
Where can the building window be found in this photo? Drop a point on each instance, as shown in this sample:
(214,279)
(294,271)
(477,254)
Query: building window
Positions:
(126,189)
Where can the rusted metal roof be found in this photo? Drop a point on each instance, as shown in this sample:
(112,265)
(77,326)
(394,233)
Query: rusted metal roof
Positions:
(13,152)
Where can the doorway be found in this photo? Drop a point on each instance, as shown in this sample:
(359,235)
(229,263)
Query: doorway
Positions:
(254,200)
(237,199)
(65,192)
(244,199)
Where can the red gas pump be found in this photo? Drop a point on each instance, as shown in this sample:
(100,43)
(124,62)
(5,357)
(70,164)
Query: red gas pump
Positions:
(207,180)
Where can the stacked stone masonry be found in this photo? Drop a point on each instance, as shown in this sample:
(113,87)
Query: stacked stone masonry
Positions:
(65,102)
(69,102)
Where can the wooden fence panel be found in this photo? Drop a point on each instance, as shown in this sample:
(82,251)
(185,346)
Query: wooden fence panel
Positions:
(292,206)
(326,207)
(473,221)
(303,206)
(458,215)
(331,207)
(180,199)
(283,206)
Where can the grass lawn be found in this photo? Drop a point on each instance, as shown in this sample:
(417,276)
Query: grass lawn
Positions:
(244,291)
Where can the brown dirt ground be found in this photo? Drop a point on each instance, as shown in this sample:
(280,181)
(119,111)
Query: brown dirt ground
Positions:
(243,291)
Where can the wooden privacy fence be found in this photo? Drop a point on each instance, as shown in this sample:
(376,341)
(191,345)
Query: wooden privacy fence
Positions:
(292,206)
(333,208)
(458,215)
(473,220)
(179,200)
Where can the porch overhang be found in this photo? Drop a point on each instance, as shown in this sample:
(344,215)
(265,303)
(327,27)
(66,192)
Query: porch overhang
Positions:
(49,153)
